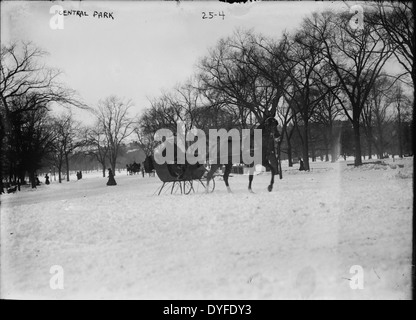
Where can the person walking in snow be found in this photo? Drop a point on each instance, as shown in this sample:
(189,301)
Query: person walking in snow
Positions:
(301,165)
(111,181)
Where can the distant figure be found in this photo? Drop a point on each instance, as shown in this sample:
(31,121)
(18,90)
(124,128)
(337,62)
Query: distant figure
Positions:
(148,164)
(12,189)
(47,179)
(111,181)
(133,168)
(79,175)
(301,166)
(37,181)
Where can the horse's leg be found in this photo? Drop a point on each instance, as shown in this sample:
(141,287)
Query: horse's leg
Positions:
(227,172)
(273,169)
(211,172)
(250,178)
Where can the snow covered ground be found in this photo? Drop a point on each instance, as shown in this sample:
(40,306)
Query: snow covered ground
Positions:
(297,242)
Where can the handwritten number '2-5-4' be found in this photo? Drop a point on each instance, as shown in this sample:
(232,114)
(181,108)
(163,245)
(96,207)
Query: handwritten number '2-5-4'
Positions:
(212,15)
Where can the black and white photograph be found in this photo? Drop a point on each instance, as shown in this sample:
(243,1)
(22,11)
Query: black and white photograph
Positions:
(207,150)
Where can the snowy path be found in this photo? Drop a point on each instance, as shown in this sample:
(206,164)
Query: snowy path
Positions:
(297,242)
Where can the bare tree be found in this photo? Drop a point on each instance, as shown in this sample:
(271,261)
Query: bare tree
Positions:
(180,105)
(377,114)
(286,115)
(67,140)
(216,112)
(145,140)
(27,85)
(161,114)
(113,116)
(229,72)
(326,115)
(269,58)
(303,62)
(403,106)
(165,112)
(30,139)
(22,75)
(97,146)
(397,19)
(356,57)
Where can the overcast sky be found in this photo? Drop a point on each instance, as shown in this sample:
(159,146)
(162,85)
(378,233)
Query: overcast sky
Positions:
(149,46)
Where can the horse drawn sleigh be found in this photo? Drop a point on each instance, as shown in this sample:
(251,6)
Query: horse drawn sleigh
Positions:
(183,178)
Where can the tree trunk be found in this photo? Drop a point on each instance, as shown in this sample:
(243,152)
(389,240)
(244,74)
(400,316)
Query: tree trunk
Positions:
(60,174)
(399,132)
(113,159)
(328,142)
(312,144)
(10,175)
(21,176)
(370,151)
(67,167)
(327,146)
(305,147)
(32,179)
(103,169)
(289,151)
(289,155)
(313,153)
(335,145)
(113,166)
(381,142)
(357,143)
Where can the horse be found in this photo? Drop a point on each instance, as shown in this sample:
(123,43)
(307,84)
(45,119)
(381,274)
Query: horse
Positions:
(133,168)
(270,135)
(12,189)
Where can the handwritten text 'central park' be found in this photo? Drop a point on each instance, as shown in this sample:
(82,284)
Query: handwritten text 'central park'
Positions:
(96,14)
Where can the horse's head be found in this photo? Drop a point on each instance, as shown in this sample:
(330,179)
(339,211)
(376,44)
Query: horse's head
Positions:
(269,127)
